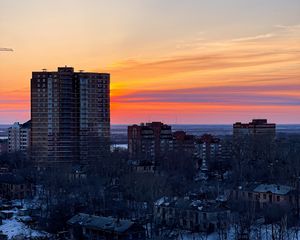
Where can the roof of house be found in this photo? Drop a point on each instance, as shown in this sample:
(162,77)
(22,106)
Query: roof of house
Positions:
(188,204)
(101,223)
(273,188)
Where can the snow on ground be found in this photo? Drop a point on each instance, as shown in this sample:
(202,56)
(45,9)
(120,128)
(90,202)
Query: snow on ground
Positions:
(263,232)
(13,228)
(203,236)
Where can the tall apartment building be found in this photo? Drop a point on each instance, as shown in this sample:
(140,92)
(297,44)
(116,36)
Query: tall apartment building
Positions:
(19,137)
(70,114)
(149,142)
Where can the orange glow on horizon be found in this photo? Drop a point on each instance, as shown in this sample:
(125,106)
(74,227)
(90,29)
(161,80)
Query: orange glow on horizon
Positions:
(208,82)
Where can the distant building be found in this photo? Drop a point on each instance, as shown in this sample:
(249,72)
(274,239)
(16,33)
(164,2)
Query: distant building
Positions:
(149,142)
(89,227)
(183,142)
(209,150)
(258,127)
(70,113)
(253,148)
(192,215)
(19,137)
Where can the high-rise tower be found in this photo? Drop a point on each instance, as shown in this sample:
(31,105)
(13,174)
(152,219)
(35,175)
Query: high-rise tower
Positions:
(70,114)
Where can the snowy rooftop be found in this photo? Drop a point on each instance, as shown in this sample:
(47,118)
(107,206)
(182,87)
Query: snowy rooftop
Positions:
(186,203)
(15,227)
(273,188)
(98,222)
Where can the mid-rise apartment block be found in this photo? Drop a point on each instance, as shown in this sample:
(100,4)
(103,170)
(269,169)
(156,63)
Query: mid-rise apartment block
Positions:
(19,137)
(258,127)
(149,142)
(209,149)
(183,142)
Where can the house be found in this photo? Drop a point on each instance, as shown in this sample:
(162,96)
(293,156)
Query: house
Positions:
(192,215)
(263,195)
(85,226)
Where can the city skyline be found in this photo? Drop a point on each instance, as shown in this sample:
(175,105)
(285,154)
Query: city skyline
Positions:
(172,61)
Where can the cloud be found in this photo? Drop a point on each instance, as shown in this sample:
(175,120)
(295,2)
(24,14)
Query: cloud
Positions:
(269,53)
(284,95)
(254,38)
(288,27)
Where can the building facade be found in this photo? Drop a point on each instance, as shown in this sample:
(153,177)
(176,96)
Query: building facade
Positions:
(254,148)
(191,215)
(264,195)
(19,138)
(258,127)
(70,114)
(209,150)
(149,142)
(183,142)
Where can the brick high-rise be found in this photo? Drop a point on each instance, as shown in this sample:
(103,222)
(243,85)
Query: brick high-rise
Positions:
(70,114)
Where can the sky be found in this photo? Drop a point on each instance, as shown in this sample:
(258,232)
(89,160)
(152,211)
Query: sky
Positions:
(192,61)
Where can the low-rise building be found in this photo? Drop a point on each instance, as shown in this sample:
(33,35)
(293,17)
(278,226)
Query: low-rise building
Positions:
(263,195)
(192,215)
(84,226)
(15,187)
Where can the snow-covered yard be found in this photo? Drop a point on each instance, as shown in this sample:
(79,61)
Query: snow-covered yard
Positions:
(263,232)
(15,226)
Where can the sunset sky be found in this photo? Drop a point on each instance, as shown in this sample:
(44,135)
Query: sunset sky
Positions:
(191,61)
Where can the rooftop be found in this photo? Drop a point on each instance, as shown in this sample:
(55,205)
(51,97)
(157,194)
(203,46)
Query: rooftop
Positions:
(101,223)
(187,203)
(273,188)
